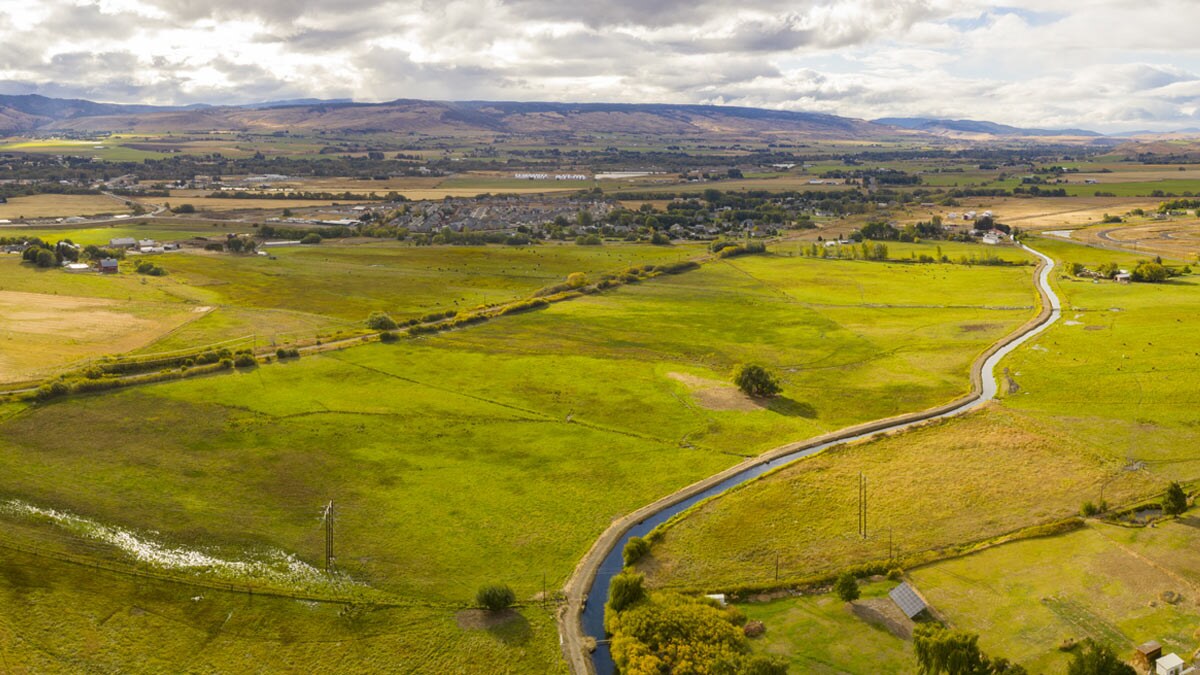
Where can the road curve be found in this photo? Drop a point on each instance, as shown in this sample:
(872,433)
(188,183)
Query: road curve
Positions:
(603,560)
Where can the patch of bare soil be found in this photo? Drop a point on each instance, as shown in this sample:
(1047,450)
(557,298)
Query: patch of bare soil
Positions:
(884,613)
(714,394)
(977,327)
(483,619)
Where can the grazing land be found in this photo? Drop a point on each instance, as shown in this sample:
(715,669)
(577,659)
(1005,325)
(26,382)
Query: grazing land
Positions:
(473,456)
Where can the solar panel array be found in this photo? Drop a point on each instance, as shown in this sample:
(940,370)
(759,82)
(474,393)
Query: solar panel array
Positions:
(907,600)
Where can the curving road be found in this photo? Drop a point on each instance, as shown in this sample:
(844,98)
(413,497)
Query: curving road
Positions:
(582,614)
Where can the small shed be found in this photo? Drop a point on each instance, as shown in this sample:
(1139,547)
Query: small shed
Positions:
(1146,655)
(1123,278)
(1170,664)
(908,601)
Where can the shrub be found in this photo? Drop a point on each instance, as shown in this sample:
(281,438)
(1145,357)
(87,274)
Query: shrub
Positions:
(660,239)
(311,238)
(588,240)
(846,587)
(184,208)
(245,360)
(147,267)
(52,390)
(895,574)
(756,381)
(285,353)
(635,549)
(388,337)
(754,629)
(214,246)
(227,363)
(1088,510)
(495,597)
(380,321)
(1175,501)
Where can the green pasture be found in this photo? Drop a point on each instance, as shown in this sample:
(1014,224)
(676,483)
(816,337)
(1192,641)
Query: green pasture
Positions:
(475,455)
(1104,582)
(820,634)
(60,617)
(1099,406)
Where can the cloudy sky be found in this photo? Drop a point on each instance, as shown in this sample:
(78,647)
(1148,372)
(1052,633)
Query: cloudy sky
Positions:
(1108,65)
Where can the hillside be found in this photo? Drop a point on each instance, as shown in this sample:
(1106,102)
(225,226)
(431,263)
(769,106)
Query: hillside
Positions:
(36,113)
(975,128)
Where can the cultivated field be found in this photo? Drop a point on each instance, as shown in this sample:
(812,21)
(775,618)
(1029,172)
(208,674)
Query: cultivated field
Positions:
(56,206)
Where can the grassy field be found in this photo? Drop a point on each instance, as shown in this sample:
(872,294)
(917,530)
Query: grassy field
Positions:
(821,635)
(1100,402)
(57,617)
(303,292)
(1104,582)
(54,206)
(504,424)
(41,333)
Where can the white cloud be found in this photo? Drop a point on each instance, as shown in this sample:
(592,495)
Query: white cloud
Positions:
(1109,64)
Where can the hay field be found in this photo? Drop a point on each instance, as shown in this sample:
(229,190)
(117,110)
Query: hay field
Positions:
(41,333)
(60,206)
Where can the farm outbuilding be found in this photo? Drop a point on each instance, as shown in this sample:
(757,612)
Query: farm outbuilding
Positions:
(1146,655)
(908,601)
(108,266)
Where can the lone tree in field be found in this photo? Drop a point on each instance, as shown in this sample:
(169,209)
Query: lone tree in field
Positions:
(495,597)
(756,381)
(846,587)
(1175,501)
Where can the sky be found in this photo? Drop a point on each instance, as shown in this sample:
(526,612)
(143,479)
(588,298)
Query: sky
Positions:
(1107,65)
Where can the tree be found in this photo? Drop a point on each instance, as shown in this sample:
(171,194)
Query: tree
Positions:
(1150,272)
(635,549)
(495,597)
(756,381)
(311,238)
(380,321)
(625,590)
(185,208)
(1095,659)
(846,587)
(45,258)
(1175,501)
(954,652)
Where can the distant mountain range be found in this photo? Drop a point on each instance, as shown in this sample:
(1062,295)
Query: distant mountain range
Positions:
(976,128)
(34,113)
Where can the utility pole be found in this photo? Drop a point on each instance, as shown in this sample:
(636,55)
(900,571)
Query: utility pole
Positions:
(327,516)
(862,505)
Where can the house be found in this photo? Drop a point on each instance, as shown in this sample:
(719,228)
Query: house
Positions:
(123,242)
(1123,277)
(908,601)
(108,266)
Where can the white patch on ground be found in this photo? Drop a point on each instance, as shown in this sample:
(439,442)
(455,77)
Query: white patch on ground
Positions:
(1063,234)
(1072,323)
(1039,348)
(273,566)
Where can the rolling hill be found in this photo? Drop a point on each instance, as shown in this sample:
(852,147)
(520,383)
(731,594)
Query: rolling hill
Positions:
(975,128)
(37,113)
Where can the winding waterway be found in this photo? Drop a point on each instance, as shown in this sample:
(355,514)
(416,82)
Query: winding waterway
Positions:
(592,616)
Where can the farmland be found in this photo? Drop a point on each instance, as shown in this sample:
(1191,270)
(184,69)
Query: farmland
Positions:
(58,206)
(1103,582)
(483,445)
